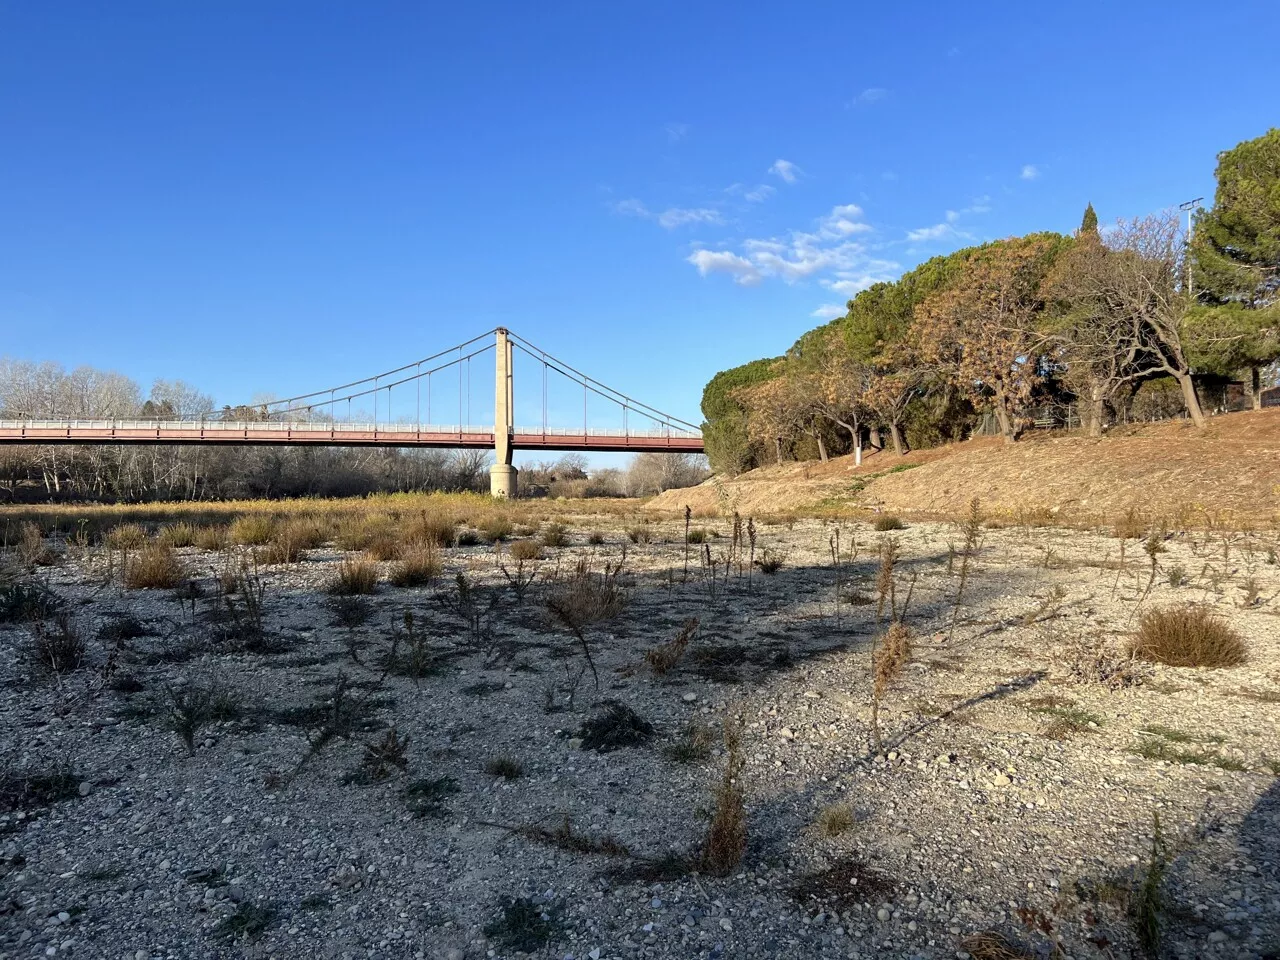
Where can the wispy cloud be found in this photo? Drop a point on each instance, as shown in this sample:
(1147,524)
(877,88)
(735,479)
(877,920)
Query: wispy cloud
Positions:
(827,253)
(679,216)
(785,169)
(868,96)
(829,311)
(676,131)
(741,269)
(759,194)
(936,232)
(1030,172)
(672,217)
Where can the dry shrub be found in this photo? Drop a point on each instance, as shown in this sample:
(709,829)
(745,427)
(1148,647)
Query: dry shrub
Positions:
(524,550)
(214,538)
(642,534)
(1102,663)
(291,539)
(990,945)
(418,566)
(384,546)
(252,530)
(836,819)
(435,528)
(178,534)
(1188,636)
(359,531)
(886,522)
(665,657)
(495,528)
(892,655)
(31,546)
(59,647)
(154,566)
(587,598)
(126,536)
(595,538)
(356,575)
(726,840)
(555,535)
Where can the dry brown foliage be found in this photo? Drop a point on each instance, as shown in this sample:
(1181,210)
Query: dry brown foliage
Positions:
(891,656)
(1188,636)
(155,565)
(252,529)
(418,566)
(726,840)
(355,575)
(990,945)
(524,550)
(665,657)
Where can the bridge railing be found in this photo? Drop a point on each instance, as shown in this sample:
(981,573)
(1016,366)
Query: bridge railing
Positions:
(303,426)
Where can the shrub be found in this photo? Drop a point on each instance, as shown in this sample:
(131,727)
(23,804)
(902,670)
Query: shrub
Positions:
(355,575)
(178,534)
(693,744)
(58,647)
(466,538)
(432,528)
(418,566)
(891,656)
(1188,636)
(524,925)
(595,538)
(726,840)
(32,549)
(886,522)
(496,528)
(126,536)
(699,535)
(769,563)
(214,538)
(615,727)
(384,546)
(642,534)
(555,535)
(253,530)
(523,550)
(197,704)
(664,657)
(384,758)
(835,820)
(27,601)
(504,767)
(29,789)
(154,566)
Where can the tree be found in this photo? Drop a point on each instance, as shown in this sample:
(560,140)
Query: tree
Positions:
(980,334)
(771,412)
(1089,223)
(724,430)
(1235,262)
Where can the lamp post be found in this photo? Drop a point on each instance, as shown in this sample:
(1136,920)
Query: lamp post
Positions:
(1189,206)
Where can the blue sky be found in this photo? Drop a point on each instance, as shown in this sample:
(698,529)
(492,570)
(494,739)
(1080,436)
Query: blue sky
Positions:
(277,196)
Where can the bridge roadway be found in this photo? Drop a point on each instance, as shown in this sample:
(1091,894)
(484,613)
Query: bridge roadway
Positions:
(269,433)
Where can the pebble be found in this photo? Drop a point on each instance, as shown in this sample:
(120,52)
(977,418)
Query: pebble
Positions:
(690,697)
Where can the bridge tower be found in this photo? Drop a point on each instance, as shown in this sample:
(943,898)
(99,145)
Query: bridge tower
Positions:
(502,475)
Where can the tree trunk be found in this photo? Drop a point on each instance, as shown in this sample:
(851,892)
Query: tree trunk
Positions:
(1006,425)
(822,448)
(1254,387)
(899,443)
(874,439)
(1093,410)
(1190,399)
(777,446)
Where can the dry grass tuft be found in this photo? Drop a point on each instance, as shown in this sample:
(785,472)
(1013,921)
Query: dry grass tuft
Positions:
(252,530)
(525,550)
(886,522)
(495,528)
(1188,636)
(504,767)
(436,528)
(418,566)
(836,819)
(59,647)
(178,534)
(990,945)
(213,538)
(726,840)
(154,566)
(356,575)
(290,539)
(126,536)
(555,535)
(665,657)
(384,546)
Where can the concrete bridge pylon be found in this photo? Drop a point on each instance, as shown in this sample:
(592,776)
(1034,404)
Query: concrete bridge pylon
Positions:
(502,475)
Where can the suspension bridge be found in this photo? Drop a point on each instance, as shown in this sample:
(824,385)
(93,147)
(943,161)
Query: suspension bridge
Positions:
(330,417)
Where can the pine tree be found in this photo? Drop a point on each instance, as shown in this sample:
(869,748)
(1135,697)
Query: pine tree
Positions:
(1090,222)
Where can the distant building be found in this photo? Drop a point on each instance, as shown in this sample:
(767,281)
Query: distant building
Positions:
(1271,397)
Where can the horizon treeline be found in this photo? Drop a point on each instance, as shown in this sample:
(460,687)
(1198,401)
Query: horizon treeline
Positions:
(1134,320)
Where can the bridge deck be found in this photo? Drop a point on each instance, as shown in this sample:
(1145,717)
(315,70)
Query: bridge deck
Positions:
(267,433)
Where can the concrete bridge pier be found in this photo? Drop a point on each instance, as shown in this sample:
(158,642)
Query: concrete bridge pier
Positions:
(502,475)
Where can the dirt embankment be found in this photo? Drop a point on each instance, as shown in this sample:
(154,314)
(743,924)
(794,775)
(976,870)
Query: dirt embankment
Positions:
(1227,473)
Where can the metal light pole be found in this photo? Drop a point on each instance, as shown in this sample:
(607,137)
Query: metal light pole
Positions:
(1189,206)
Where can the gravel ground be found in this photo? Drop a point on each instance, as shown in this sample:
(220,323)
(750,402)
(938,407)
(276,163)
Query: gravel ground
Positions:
(1010,794)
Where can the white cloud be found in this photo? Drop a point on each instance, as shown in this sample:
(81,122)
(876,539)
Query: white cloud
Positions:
(936,232)
(870,95)
(828,253)
(829,311)
(631,208)
(785,169)
(1030,172)
(679,216)
(760,194)
(676,131)
(742,270)
(952,216)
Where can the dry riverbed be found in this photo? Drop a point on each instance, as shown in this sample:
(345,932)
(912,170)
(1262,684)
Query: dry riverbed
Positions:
(1022,770)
